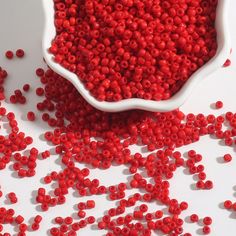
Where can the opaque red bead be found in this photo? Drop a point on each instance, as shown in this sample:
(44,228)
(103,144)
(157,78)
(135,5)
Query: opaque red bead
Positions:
(35,226)
(207,220)
(38,219)
(194,218)
(31,116)
(228,204)
(206,229)
(90,204)
(20,53)
(19,219)
(9,54)
(227,158)
(219,104)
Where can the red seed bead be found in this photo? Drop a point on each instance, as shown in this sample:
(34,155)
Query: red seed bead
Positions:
(26,87)
(227,63)
(59,220)
(64,228)
(81,214)
(101,225)
(9,54)
(90,204)
(228,204)
(40,91)
(207,220)
(44,207)
(41,191)
(206,230)
(158,214)
(202,176)
(39,72)
(219,104)
(31,116)
(91,220)
(23,227)
(227,158)
(143,208)
(38,219)
(54,231)
(20,53)
(35,226)
(183,206)
(200,184)
(208,184)
(194,218)
(19,219)
(138,214)
(75,226)
(68,220)
(47,179)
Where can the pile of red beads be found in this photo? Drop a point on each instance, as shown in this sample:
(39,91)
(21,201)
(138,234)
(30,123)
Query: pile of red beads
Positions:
(80,134)
(134,49)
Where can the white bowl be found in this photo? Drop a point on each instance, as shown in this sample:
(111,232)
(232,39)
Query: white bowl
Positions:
(223,51)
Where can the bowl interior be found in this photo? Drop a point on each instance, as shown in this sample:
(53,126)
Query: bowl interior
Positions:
(175,101)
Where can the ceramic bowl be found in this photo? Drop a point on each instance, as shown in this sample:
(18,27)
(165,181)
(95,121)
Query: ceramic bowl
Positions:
(223,51)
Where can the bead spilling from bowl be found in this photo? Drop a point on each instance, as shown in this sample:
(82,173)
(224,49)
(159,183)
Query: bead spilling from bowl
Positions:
(106,84)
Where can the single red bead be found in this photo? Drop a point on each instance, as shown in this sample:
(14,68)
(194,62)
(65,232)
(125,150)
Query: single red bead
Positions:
(90,204)
(194,218)
(91,219)
(20,53)
(31,116)
(227,158)
(208,184)
(101,225)
(206,229)
(68,220)
(9,54)
(81,214)
(228,204)
(207,220)
(38,219)
(19,219)
(59,220)
(35,226)
(219,104)
(26,87)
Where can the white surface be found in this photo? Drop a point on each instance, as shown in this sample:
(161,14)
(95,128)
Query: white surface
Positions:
(21,25)
(175,101)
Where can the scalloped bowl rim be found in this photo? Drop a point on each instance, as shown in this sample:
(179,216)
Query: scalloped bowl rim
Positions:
(224,46)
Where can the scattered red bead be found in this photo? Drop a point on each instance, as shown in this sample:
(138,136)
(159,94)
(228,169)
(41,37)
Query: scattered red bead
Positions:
(219,104)
(207,220)
(227,158)
(228,204)
(194,218)
(9,55)
(20,53)
(206,230)
(26,87)
(31,116)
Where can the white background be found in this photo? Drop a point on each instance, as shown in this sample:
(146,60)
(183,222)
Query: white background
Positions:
(21,25)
